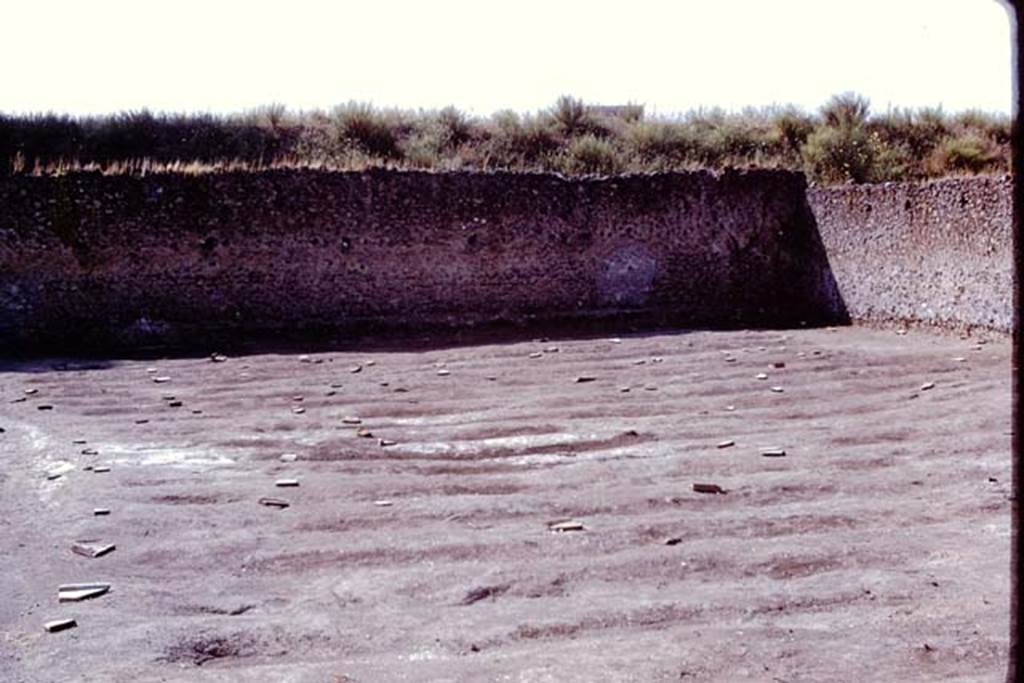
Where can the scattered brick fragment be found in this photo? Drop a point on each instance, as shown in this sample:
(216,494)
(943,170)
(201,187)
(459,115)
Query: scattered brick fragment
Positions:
(59,625)
(92,548)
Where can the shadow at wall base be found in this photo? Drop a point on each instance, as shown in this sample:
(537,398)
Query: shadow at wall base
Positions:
(202,339)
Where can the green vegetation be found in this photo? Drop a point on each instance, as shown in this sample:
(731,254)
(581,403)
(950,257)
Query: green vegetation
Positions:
(842,142)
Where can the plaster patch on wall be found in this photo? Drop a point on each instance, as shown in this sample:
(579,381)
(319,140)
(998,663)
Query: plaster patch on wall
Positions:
(627,276)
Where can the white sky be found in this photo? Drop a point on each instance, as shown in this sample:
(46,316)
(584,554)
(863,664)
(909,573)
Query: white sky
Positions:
(100,56)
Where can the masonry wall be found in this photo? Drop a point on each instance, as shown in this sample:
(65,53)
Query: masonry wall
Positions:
(88,259)
(938,253)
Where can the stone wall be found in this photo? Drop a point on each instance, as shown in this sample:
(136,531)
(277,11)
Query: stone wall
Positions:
(938,253)
(94,260)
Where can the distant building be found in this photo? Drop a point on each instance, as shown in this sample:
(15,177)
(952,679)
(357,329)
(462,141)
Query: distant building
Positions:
(627,112)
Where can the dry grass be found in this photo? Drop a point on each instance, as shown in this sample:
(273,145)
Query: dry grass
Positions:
(843,142)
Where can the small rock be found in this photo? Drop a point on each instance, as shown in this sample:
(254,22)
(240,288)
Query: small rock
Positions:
(355,368)
(370,363)
(364,433)
(79,442)
(274,502)
(91,548)
(708,488)
(299,410)
(29,392)
(197,412)
(174,404)
(585,378)
(650,387)
(566,525)
(639,362)
(657,359)
(218,358)
(161,379)
(336,385)
(777,390)
(351,420)
(551,349)
(673,541)
(536,354)
(730,408)
(726,444)
(730,359)
(151,371)
(959,359)
(286,483)
(288,457)
(141,421)
(383,503)
(305,359)
(297,398)
(615,340)
(384,443)
(773,452)
(44,406)
(761,375)
(59,625)
(624,390)
(927,385)
(100,512)
(101,468)
(777,364)
(443,372)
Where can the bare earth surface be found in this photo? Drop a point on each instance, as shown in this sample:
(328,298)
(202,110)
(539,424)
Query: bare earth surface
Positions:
(877,548)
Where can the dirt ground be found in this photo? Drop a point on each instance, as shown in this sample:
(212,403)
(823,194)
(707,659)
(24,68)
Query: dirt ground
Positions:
(876,548)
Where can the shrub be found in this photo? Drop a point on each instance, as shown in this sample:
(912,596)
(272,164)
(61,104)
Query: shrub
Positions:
(839,155)
(792,128)
(453,128)
(572,119)
(520,142)
(366,129)
(591,155)
(969,153)
(661,145)
(846,110)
